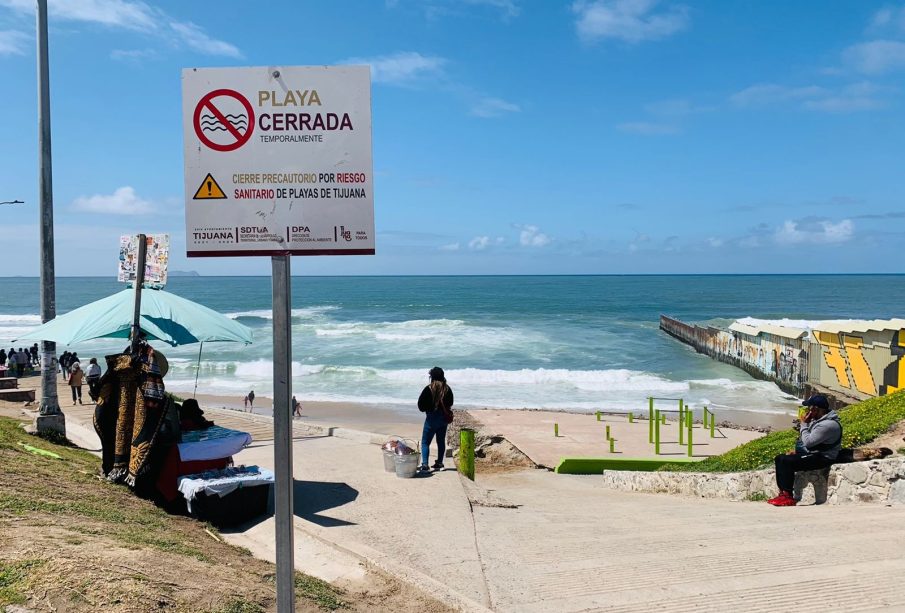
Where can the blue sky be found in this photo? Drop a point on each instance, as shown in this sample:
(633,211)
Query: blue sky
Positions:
(510,136)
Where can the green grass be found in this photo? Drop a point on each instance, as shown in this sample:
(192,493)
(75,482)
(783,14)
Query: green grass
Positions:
(13,577)
(861,424)
(240,606)
(320,592)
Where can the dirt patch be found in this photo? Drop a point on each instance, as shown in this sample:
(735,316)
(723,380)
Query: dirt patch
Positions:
(493,453)
(892,439)
(70,541)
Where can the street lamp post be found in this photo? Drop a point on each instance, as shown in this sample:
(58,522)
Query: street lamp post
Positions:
(50,419)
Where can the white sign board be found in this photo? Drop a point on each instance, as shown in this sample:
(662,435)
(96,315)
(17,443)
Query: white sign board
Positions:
(157,259)
(278,161)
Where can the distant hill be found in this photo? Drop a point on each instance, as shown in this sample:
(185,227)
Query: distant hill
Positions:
(183,273)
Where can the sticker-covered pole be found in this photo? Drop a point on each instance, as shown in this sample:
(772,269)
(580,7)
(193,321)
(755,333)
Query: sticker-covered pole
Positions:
(282,433)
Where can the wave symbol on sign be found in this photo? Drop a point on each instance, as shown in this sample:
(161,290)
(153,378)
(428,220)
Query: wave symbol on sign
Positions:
(209,123)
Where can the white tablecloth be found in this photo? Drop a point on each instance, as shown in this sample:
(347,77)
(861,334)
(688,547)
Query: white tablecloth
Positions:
(211,444)
(192,485)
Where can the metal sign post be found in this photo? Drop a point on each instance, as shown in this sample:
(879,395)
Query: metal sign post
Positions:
(139,281)
(278,162)
(282,431)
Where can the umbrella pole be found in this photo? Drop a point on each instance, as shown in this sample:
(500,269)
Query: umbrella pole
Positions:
(198,368)
(139,281)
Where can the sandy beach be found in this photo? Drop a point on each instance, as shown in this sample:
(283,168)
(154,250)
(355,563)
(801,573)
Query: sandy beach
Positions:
(391,420)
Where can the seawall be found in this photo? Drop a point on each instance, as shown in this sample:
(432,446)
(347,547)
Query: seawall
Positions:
(707,340)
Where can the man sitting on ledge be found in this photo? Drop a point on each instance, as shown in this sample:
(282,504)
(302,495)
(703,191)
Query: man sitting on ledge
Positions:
(817,447)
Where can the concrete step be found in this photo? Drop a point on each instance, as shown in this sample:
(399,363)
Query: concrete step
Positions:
(8,383)
(17,395)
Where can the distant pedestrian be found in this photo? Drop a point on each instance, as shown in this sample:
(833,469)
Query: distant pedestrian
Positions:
(64,365)
(296,408)
(76,377)
(11,359)
(34,354)
(436,401)
(73,360)
(93,377)
(251,401)
(245,400)
(2,357)
(21,362)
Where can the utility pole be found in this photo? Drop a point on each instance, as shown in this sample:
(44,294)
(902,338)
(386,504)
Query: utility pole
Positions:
(50,419)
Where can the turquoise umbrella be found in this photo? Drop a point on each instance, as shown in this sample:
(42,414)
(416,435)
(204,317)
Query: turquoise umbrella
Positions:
(165,317)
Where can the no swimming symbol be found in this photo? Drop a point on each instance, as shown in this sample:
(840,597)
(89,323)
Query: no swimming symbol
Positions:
(224,120)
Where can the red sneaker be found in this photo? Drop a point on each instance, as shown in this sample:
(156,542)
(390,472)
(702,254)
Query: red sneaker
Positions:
(783,500)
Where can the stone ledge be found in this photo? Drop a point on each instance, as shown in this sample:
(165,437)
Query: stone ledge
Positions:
(874,481)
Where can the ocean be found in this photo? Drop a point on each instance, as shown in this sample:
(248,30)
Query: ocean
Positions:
(548,342)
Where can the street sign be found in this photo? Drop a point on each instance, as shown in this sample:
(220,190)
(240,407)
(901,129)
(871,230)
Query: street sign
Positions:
(278,161)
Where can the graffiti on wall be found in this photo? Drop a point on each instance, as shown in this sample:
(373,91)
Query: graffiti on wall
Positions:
(894,373)
(846,355)
(777,358)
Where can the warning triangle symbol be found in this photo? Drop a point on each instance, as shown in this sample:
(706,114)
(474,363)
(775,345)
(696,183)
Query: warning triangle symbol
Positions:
(209,190)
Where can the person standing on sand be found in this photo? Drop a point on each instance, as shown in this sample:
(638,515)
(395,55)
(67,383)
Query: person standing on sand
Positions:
(245,400)
(251,401)
(2,357)
(818,445)
(435,401)
(75,382)
(296,408)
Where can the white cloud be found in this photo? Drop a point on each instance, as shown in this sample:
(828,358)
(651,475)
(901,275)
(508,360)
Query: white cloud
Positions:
(450,247)
(123,201)
(676,107)
(135,16)
(632,21)
(814,230)
(116,13)
(770,93)
(507,7)
(479,243)
(195,38)
(853,97)
(715,242)
(13,42)
(648,128)
(493,107)
(875,57)
(889,17)
(531,236)
(132,55)
(400,68)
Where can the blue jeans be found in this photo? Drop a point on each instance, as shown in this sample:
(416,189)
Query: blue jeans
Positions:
(434,425)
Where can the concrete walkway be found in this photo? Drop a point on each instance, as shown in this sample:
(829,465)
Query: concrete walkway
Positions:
(534,541)
(591,549)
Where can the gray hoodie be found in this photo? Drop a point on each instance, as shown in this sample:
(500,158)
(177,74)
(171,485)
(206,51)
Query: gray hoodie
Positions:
(822,436)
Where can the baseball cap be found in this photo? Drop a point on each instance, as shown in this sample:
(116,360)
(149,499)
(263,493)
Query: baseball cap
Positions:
(817,400)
